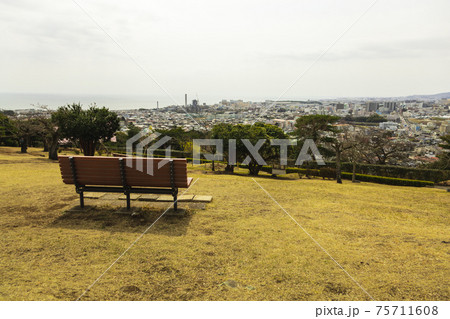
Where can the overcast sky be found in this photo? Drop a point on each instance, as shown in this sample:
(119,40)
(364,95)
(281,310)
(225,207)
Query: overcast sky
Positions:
(225,49)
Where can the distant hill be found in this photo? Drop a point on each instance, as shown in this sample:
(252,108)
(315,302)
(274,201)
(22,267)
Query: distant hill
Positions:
(437,96)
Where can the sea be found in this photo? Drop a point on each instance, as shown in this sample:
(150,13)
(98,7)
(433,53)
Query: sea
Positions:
(16,101)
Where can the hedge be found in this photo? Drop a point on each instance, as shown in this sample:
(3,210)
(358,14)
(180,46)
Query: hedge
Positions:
(388,180)
(433,175)
(327,172)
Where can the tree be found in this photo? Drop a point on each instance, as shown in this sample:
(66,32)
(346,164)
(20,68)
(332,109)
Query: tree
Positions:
(51,135)
(382,148)
(7,131)
(376,118)
(132,130)
(49,131)
(87,127)
(314,126)
(253,133)
(354,153)
(444,157)
(373,118)
(26,130)
(339,142)
(8,112)
(317,127)
(225,132)
(181,140)
(446,140)
(123,137)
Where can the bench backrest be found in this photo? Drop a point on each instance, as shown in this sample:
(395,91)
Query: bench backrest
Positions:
(100,170)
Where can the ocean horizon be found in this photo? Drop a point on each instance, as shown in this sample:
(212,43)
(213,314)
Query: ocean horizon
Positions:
(32,100)
(16,101)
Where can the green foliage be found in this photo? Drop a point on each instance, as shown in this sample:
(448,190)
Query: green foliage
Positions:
(444,158)
(253,133)
(374,118)
(50,135)
(87,127)
(446,140)
(388,180)
(319,128)
(181,140)
(29,132)
(434,175)
(327,172)
(7,131)
(121,139)
(314,126)
(8,112)
(381,148)
(226,132)
(132,130)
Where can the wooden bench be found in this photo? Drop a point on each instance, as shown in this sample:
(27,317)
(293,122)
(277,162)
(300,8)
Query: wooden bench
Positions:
(124,175)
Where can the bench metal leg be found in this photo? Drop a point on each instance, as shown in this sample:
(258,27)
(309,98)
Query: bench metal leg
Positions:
(175,199)
(128,201)
(81,199)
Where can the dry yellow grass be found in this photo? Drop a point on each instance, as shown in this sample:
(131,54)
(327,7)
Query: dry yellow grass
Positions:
(392,240)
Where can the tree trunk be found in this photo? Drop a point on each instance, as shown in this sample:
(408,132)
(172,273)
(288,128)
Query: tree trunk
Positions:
(338,166)
(212,166)
(229,168)
(254,168)
(53,148)
(23,145)
(88,147)
(45,145)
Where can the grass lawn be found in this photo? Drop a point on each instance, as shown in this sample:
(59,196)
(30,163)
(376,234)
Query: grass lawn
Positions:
(394,241)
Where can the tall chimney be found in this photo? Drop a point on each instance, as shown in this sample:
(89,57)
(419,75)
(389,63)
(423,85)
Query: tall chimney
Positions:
(185,100)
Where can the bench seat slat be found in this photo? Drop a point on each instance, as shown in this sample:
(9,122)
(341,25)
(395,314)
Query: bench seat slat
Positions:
(95,170)
(129,172)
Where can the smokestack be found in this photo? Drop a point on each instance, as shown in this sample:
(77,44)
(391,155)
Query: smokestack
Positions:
(157,104)
(185,100)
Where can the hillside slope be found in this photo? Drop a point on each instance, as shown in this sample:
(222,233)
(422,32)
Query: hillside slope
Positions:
(392,240)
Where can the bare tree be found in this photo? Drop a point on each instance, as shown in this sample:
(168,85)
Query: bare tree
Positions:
(382,148)
(354,154)
(26,131)
(339,142)
(49,131)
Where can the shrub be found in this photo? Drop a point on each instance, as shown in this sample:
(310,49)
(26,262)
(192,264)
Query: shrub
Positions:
(387,180)
(327,172)
(434,175)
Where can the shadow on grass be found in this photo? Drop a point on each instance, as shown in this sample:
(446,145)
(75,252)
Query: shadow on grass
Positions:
(289,177)
(244,173)
(112,220)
